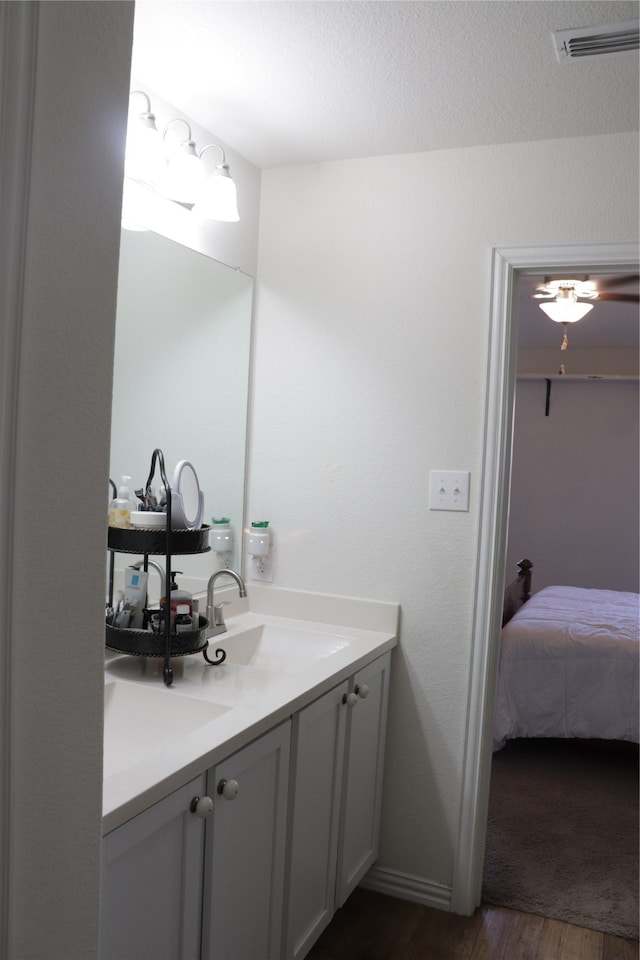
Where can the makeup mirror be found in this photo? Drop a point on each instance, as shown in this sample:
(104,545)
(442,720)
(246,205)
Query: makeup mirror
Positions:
(187,499)
(181,380)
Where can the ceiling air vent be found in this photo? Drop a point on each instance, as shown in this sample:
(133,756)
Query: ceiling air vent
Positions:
(595,41)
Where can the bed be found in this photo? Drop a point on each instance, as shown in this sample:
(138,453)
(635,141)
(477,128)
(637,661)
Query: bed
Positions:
(568,663)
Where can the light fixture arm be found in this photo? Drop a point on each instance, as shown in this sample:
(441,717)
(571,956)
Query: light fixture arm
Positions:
(179,120)
(218,147)
(141,93)
(218,197)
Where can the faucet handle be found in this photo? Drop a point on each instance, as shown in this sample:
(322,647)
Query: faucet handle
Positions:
(218,613)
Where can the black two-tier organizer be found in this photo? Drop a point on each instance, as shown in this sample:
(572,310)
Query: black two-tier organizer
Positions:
(168,543)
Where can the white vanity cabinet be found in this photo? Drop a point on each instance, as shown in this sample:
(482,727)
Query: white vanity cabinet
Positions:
(336,789)
(183,881)
(245,851)
(363,771)
(282,832)
(152,882)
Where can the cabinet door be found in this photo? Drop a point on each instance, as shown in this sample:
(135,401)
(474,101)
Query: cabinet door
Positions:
(362,786)
(152,882)
(244,852)
(318,748)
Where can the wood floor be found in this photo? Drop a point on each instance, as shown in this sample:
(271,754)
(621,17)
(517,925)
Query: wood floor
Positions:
(371,926)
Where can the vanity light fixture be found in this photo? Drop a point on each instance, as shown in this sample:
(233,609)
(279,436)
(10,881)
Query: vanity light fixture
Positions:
(143,157)
(217,199)
(175,170)
(183,174)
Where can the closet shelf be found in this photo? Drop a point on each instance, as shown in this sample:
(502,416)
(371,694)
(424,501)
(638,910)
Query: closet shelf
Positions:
(577,376)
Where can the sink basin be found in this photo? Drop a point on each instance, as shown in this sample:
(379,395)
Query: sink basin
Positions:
(276,648)
(140,721)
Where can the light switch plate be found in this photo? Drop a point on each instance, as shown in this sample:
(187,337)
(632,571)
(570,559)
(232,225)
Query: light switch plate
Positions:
(449,490)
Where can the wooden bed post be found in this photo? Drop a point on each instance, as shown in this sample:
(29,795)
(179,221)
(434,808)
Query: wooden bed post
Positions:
(518,591)
(525,567)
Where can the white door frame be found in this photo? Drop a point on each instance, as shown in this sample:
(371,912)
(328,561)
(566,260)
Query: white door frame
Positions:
(18,37)
(508,264)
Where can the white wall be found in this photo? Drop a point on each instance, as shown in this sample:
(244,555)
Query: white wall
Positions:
(55,649)
(370,370)
(574,484)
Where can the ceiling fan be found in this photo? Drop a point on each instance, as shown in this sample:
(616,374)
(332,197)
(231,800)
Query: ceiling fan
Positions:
(584,287)
(565,293)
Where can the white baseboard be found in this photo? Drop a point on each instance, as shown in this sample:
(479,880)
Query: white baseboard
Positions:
(407,887)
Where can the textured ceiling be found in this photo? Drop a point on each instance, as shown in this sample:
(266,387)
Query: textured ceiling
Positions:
(292,82)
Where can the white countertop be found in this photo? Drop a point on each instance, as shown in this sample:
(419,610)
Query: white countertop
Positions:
(249,699)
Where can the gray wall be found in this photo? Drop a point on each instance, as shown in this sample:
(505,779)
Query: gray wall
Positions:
(574,486)
(55,650)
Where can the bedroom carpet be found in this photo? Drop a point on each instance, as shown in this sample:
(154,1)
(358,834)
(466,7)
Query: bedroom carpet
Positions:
(562,836)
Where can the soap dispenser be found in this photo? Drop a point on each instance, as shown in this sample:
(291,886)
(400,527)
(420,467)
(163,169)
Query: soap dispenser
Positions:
(120,508)
(177,597)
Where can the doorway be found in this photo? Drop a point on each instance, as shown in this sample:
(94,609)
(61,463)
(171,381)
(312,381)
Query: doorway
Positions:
(509,265)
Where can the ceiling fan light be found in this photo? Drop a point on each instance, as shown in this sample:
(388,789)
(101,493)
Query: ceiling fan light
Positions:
(566,311)
(218,198)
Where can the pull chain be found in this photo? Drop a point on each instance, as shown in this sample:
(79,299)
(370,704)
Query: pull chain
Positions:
(565,339)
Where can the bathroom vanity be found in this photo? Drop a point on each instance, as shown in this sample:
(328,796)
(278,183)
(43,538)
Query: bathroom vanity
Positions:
(242,804)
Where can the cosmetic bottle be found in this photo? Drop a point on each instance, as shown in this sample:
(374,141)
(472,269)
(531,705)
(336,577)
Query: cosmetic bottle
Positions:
(183,622)
(120,508)
(176,597)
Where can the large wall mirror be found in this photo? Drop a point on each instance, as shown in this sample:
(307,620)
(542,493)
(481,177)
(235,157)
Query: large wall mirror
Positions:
(181,378)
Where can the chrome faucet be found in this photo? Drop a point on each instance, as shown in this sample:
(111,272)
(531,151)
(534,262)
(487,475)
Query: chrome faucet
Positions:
(215,612)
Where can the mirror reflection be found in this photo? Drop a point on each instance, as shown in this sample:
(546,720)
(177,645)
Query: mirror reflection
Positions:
(181,375)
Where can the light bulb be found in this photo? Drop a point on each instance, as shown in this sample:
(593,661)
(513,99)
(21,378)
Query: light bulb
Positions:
(218,199)
(183,176)
(143,157)
(566,311)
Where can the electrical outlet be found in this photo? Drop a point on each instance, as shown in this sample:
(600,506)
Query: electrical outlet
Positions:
(261,568)
(449,490)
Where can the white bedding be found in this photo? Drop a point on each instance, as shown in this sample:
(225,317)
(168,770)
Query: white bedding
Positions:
(569,667)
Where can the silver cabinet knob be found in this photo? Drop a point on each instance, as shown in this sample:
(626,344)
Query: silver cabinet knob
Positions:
(350,699)
(362,690)
(202,807)
(228,789)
